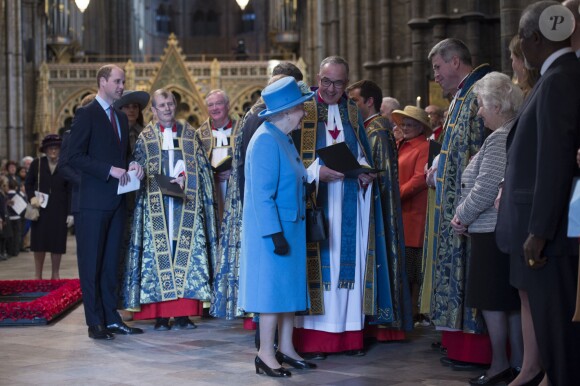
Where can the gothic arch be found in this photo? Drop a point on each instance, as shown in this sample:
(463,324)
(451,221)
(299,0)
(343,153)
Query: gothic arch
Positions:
(241,103)
(188,107)
(65,114)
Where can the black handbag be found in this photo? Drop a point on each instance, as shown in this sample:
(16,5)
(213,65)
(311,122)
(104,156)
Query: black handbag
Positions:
(316,226)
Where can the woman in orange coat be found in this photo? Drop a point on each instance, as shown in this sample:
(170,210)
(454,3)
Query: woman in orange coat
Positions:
(413,154)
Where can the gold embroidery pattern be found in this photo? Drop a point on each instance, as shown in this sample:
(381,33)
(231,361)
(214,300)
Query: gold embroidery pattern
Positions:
(182,252)
(171,274)
(208,141)
(308,137)
(314,279)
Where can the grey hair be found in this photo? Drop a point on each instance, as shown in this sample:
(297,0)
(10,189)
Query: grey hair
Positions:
(393,102)
(530,20)
(26,158)
(218,91)
(334,60)
(449,48)
(497,89)
(164,93)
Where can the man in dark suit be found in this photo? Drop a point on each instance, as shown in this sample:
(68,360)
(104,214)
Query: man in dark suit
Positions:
(533,209)
(99,150)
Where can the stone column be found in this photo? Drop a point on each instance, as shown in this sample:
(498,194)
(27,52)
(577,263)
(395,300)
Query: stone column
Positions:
(510,12)
(384,41)
(333,31)
(13,94)
(353,38)
(438,19)
(417,78)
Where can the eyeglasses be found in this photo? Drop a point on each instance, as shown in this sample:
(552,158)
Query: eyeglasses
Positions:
(164,105)
(408,124)
(216,104)
(337,83)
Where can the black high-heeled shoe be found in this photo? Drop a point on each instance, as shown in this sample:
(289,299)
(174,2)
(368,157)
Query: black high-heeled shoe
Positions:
(536,380)
(283,358)
(278,373)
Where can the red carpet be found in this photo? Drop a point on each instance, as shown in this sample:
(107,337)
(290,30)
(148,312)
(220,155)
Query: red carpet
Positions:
(36,302)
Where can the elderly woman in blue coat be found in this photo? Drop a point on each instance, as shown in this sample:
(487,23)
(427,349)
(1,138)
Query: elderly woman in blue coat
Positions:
(273,255)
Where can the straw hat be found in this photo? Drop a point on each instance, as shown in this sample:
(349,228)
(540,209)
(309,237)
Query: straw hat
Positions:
(50,140)
(412,112)
(139,97)
(282,95)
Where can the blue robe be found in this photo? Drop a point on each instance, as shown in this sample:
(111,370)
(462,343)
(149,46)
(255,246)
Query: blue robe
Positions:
(377,301)
(152,272)
(464,135)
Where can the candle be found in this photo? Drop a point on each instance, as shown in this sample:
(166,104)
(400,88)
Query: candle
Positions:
(418,101)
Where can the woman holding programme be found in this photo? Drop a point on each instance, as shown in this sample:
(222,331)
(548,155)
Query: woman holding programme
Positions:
(488,285)
(51,191)
(273,253)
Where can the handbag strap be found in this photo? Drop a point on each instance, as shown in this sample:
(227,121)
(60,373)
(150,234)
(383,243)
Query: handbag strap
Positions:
(38,177)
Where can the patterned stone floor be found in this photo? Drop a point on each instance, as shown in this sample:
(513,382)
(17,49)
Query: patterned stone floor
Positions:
(218,352)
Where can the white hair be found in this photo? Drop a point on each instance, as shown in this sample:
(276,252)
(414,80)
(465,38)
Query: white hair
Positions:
(497,89)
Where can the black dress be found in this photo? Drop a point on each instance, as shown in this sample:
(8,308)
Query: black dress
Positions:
(488,285)
(49,232)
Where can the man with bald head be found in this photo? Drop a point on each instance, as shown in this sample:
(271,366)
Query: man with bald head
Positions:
(436,120)
(388,105)
(574,7)
(532,219)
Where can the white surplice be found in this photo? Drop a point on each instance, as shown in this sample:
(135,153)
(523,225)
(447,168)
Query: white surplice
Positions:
(343,308)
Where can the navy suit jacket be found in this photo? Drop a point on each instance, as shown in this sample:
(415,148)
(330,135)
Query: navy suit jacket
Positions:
(541,163)
(69,173)
(93,149)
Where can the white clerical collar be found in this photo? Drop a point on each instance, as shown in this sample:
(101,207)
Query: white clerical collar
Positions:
(552,58)
(578,53)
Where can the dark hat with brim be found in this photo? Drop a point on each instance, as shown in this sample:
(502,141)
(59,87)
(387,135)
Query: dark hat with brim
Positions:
(50,140)
(282,95)
(138,97)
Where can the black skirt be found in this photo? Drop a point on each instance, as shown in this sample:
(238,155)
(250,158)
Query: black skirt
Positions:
(488,277)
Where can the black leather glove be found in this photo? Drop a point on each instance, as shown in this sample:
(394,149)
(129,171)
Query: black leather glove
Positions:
(281,246)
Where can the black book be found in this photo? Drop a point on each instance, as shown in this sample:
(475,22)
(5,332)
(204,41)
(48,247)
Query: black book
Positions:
(434,149)
(168,188)
(223,165)
(339,157)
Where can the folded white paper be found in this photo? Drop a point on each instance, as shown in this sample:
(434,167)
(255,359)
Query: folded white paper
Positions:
(19,204)
(42,198)
(178,168)
(133,184)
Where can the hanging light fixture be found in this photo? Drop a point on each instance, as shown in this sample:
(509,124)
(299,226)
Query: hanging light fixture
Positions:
(82,4)
(242,3)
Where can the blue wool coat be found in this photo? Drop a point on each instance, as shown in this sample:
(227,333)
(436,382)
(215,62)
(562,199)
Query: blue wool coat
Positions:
(274,201)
